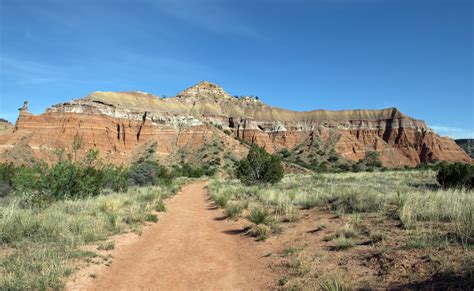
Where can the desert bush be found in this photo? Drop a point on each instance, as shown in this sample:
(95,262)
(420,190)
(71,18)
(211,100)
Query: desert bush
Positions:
(259,167)
(28,178)
(115,178)
(67,180)
(284,153)
(456,175)
(7,172)
(5,189)
(372,159)
(147,172)
(370,162)
(186,170)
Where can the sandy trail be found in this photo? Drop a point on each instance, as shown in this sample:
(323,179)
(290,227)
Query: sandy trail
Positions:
(191,247)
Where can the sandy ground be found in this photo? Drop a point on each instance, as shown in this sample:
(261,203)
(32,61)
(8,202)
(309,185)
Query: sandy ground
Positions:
(191,247)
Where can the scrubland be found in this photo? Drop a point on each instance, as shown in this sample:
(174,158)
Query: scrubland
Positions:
(39,246)
(359,230)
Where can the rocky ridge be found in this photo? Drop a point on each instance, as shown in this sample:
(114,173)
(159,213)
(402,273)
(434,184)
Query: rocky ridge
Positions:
(204,122)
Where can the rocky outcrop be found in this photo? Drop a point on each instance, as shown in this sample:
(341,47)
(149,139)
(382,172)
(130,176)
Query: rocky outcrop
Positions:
(467,144)
(118,123)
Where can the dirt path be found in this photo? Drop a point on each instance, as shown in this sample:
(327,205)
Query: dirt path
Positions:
(191,247)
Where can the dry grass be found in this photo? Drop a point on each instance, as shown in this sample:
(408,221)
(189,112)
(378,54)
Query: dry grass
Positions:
(412,196)
(45,241)
(363,228)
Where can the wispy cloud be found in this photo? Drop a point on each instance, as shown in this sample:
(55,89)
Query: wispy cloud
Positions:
(128,67)
(454,132)
(27,72)
(209,15)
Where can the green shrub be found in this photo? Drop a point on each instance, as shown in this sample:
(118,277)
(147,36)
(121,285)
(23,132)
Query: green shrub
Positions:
(116,178)
(151,218)
(146,172)
(160,206)
(7,171)
(259,167)
(27,178)
(370,162)
(65,179)
(186,170)
(456,175)
(372,159)
(284,153)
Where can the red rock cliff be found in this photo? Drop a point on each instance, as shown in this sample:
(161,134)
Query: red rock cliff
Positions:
(120,123)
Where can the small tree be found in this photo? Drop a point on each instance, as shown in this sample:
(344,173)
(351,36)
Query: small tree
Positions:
(115,178)
(145,173)
(259,167)
(372,160)
(146,170)
(77,144)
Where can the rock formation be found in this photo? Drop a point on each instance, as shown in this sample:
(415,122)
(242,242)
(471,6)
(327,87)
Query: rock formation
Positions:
(467,144)
(204,122)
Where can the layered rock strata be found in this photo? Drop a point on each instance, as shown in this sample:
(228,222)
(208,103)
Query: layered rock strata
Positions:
(117,123)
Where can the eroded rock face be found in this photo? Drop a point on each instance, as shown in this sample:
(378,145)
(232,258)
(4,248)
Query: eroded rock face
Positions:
(467,144)
(117,124)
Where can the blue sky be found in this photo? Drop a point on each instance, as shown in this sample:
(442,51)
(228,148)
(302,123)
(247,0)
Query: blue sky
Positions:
(416,55)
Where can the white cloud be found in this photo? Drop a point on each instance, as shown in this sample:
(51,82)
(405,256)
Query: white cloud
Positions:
(453,132)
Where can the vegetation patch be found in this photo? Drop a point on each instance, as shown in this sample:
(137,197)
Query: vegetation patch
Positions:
(373,229)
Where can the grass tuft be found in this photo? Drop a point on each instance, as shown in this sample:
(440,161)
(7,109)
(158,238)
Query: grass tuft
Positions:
(233,210)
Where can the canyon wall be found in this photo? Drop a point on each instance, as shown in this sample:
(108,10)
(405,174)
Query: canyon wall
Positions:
(186,126)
